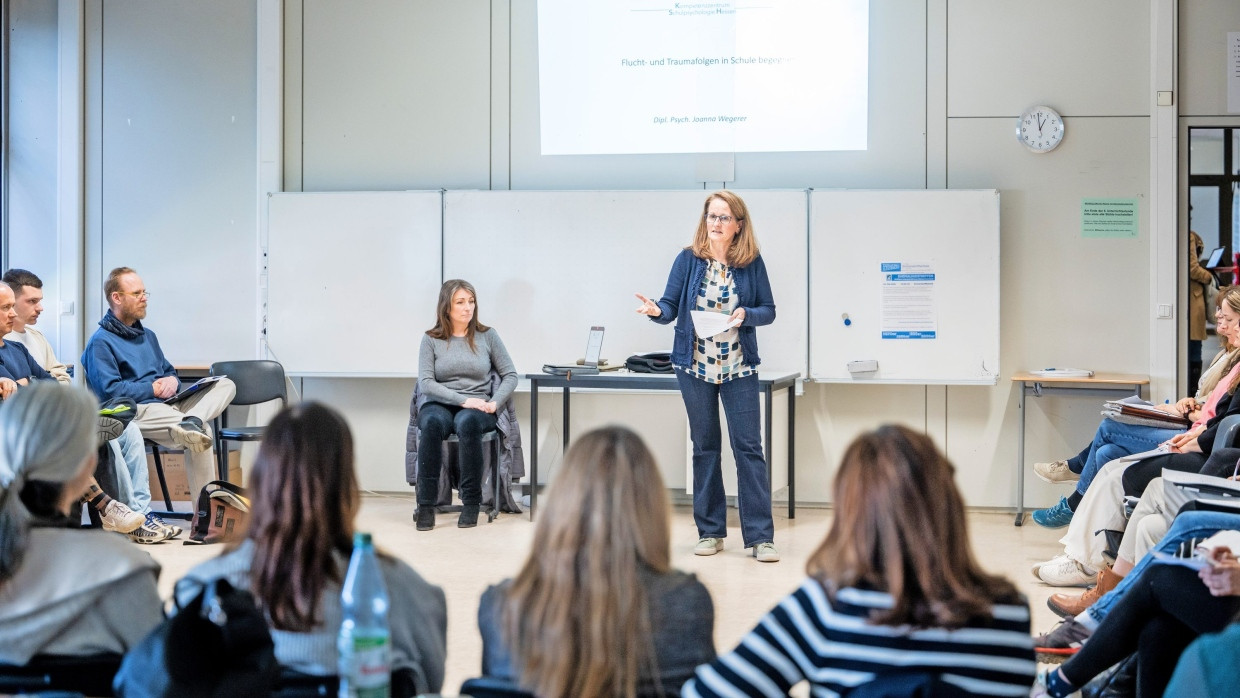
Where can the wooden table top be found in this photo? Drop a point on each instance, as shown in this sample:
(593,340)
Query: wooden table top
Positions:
(1098,377)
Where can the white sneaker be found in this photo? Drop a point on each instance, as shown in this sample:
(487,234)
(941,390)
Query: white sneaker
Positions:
(149,533)
(766,552)
(172,531)
(708,546)
(1065,572)
(120,518)
(1056,473)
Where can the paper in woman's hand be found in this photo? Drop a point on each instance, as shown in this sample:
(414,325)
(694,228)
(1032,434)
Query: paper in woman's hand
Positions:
(707,324)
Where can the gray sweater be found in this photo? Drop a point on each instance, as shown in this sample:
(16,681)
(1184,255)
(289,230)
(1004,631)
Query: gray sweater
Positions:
(448,372)
(682,634)
(417,618)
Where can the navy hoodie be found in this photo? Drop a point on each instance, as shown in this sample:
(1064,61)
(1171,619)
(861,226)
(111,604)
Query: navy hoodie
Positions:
(124,361)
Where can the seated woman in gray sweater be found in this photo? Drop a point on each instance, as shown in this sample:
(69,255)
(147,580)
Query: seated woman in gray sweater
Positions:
(304,497)
(597,609)
(455,363)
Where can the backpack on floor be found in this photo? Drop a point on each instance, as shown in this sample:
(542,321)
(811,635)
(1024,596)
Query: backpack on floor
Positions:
(220,514)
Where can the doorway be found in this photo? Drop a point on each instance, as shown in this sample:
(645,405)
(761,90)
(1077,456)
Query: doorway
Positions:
(1214,216)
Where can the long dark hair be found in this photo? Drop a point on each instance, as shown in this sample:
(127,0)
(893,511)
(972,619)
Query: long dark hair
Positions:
(899,527)
(304,498)
(443,309)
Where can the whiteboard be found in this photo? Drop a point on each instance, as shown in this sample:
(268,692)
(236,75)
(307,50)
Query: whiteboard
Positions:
(857,238)
(550,264)
(352,280)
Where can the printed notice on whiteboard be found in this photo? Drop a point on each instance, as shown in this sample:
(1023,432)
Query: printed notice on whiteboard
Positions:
(1233,72)
(908,307)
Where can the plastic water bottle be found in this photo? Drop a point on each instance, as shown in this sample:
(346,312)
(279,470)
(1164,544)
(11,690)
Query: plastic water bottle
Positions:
(364,642)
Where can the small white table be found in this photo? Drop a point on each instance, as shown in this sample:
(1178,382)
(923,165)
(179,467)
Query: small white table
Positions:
(1109,385)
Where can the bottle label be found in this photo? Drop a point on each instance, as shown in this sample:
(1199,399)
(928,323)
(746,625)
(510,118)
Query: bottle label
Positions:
(371,673)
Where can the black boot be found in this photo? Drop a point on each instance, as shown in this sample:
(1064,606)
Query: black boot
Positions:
(425,517)
(469,516)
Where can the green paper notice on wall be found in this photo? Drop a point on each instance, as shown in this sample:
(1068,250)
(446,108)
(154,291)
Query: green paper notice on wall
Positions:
(1109,218)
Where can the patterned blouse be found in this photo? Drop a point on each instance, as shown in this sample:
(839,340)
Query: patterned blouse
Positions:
(718,359)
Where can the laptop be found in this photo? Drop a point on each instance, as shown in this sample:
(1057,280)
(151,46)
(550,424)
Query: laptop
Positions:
(1216,258)
(594,349)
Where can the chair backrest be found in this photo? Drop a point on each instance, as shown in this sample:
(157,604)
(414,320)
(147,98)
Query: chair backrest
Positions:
(257,381)
(485,687)
(90,674)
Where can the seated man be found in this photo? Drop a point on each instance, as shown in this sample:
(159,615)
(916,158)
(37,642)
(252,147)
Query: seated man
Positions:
(134,483)
(123,359)
(17,369)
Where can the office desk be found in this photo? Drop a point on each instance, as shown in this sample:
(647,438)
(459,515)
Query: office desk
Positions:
(1112,386)
(623,380)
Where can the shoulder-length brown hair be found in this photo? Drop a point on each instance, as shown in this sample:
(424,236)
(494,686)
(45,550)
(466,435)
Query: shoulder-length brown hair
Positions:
(899,527)
(304,497)
(443,319)
(576,616)
(744,248)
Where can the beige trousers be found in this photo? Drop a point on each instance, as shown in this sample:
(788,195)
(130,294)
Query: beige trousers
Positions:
(157,421)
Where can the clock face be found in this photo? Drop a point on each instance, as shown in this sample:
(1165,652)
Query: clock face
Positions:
(1040,129)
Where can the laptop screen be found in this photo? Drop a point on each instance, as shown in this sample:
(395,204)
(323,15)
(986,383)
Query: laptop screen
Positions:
(1216,258)
(594,347)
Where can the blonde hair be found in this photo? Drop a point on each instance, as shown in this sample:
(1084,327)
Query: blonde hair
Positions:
(576,616)
(744,248)
(899,527)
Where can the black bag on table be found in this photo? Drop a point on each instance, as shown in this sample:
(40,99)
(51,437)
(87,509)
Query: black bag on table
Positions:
(653,362)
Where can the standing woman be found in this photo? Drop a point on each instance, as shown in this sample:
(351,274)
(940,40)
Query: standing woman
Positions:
(722,272)
(455,364)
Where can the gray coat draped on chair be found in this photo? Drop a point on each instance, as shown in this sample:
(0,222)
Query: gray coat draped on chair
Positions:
(511,455)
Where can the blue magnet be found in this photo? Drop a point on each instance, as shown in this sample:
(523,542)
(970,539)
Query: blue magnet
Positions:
(847,321)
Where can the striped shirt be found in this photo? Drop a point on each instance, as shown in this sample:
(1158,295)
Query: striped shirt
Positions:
(836,648)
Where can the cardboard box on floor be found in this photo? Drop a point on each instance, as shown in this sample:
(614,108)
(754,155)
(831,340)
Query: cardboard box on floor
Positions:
(177,478)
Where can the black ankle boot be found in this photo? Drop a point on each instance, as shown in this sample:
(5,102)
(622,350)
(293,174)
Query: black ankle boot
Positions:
(469,516)
(425,517)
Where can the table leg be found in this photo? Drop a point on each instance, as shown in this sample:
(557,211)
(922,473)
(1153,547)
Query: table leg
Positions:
(533,447)
(1020,457)
(766,434)
(792,440)
(565,408)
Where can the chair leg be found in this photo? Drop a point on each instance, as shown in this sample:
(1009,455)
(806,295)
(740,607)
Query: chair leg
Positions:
(493,512)
(163,486)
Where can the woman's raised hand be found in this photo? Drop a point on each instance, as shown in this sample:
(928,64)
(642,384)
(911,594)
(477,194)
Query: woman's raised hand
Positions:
(648,307)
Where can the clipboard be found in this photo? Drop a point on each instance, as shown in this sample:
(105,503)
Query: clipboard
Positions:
(196,387)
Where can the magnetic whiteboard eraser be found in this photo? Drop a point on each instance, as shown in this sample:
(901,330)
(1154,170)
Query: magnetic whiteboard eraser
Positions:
(862,366)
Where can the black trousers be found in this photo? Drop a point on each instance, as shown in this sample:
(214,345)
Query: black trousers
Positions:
(1139,474)
(437,422)
(1156,618)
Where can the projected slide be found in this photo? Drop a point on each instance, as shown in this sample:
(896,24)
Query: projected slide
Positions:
(658,76)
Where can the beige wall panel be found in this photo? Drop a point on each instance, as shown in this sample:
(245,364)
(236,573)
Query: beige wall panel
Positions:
(1066,300)
(396,95)
(1203,55)
(1080,58)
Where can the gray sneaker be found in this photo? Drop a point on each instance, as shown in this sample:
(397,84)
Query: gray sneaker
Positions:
(1056,473)
(708,546)
(766,552)
(149,533)
(109,428)
(1063,641)
(191,434)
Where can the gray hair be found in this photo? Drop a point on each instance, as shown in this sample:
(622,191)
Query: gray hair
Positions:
(46,431)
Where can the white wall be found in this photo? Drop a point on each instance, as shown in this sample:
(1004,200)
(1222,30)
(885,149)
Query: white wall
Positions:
(398,94)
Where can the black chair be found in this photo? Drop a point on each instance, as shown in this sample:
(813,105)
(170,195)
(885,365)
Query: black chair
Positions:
(89,675)
(257,382)
(485,687)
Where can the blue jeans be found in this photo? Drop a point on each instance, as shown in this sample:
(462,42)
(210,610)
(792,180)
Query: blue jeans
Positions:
(1115,440)
(437,422)
(133,480)
(1188,525)
(710,507)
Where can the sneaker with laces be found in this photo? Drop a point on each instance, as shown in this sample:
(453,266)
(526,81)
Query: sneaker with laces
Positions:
(109,428)
(766,552)
(173,531)
(1057,516)
(120,518)
(1063,571)
(1063,641)
(148,533)
(191,434)
(708,546)
(1057,473)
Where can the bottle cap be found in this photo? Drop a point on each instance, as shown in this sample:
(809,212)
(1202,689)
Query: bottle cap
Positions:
(360,539)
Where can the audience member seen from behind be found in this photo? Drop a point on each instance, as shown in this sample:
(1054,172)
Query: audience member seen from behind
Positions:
(894,592)
(64,590)
(597,609)
(304,497)
(455,364)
